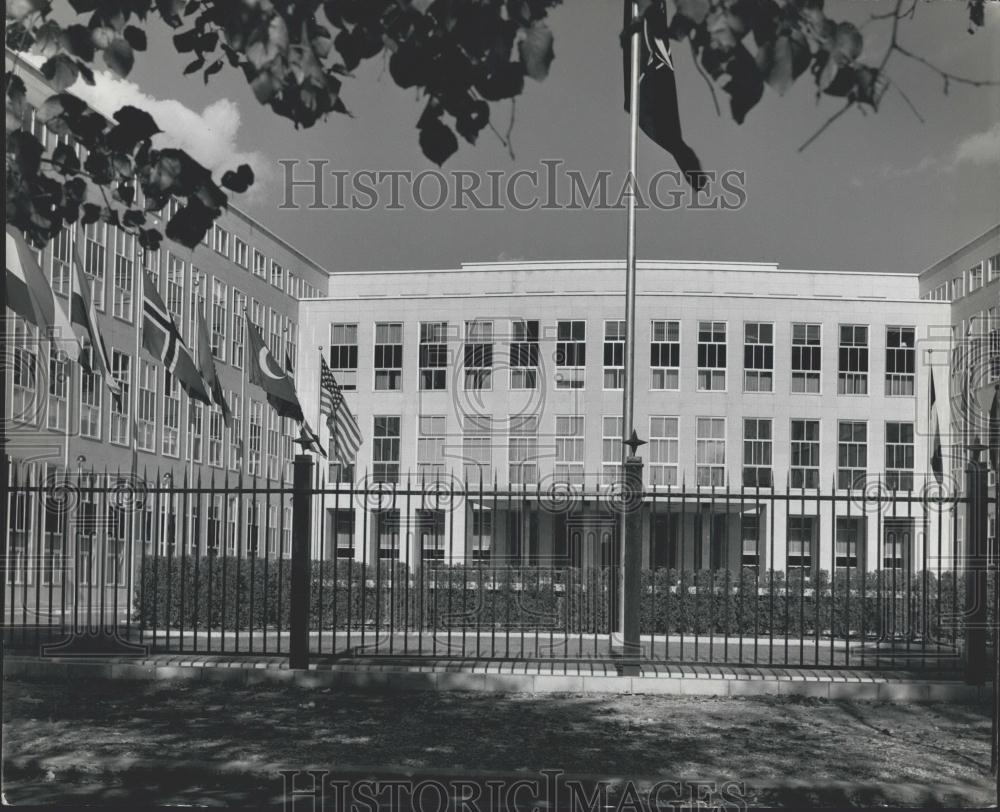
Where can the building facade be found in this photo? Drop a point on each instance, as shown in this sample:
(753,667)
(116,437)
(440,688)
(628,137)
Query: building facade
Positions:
(61,418)
(750,380)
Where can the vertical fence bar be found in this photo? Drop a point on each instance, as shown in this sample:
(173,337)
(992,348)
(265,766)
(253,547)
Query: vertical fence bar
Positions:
(215,550)
(298,637)
(407,570)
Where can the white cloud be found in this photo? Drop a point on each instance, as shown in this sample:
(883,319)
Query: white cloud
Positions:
(210,137)
(980,148)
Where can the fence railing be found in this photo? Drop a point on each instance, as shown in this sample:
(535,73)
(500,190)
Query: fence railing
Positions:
(865,578)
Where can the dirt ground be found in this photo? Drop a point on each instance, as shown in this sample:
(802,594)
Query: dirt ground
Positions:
(88,727)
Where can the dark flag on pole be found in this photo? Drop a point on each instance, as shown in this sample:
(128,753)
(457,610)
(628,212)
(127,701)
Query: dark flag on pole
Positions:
(937,465)
(264,372)
(659,117)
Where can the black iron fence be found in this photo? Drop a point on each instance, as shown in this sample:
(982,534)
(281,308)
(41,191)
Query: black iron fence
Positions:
(868,577)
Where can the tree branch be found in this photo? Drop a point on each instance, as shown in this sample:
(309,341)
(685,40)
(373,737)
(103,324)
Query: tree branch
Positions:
(705,76)
(826,124)
(946,75)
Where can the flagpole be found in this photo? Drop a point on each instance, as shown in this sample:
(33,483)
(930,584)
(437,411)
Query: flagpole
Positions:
(140,291)
(69,378)
(628,394)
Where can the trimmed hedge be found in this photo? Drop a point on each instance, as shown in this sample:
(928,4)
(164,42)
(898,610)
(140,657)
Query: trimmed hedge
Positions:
(253,593)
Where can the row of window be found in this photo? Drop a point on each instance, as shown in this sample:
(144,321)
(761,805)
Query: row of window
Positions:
(233,248)
(479,363)
(982,273)
(223,310)
(566,451)
(269,443)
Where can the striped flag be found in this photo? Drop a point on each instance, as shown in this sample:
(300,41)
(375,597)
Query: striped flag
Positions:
(345,434)
(309,440)
(30,296)
(161,339)
(83,316)
(937,465)
(994,441)
(209,374)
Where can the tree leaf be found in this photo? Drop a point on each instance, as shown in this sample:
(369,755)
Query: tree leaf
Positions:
(61,71)
(240,180)
(25,152)
(215,67)
(133,218)
(437,141)
(190,223)
(65,156)
(91,213)
(76,40)
(536,51)
(119,57)
(135,37)
(195,66)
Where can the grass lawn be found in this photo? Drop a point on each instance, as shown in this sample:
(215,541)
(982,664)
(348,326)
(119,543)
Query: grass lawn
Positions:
(88,730)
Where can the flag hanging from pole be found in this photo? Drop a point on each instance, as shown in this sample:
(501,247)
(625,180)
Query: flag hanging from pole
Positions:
(264,372)
(161,339)
(309,440)
(206,366)
(659,116)
(83,316)
(30,296)
(937,463)
(994,442)
(345,434)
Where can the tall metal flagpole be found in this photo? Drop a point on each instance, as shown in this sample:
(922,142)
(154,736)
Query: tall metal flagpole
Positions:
(630,283)
(69,378)
(140,291)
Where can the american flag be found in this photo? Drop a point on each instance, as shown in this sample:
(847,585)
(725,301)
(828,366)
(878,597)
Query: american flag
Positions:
(345,434)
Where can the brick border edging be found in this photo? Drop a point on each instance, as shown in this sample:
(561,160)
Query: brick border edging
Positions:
(250,673)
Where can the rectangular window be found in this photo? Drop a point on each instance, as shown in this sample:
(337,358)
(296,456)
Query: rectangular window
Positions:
(236,431)
(805,454)
(344,355)
(121,370)
(571,354)
(274,334)
(220,315)
(171,444)
(95,259)
(273,449)
(524,354)
(175,289)
(291,342)
(711,356)
(241,253)
(482,534)
(256,438)
(611,450)
(430,447)
(146,418)
(852,377)
(899,456)
(343,531)
(199,291)
(957,288)
(569,449)
(900,360)
(236,344)
(215,435)
(62,260)
(388,357)
(665,355)
(385,449)
(433,354)
(259,264)
(849,531)
(757,453)
(91,389)
(852,453)
(220,240)
(801,533)
(58,407)
(664,450)
(807,358)
(477,449)
(277,276)
(25,378)
(522,450)
(993,268)
(976,277)
(196,429)
(614,354)
(151,265)
(758,357)
(478,359)
(710,468)
(124,275)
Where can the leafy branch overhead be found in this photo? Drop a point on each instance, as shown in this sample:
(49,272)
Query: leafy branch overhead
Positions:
(460,55)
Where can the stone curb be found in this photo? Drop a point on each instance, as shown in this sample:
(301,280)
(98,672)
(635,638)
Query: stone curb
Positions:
(402,679)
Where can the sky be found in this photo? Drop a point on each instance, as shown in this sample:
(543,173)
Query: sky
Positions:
(877,192)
